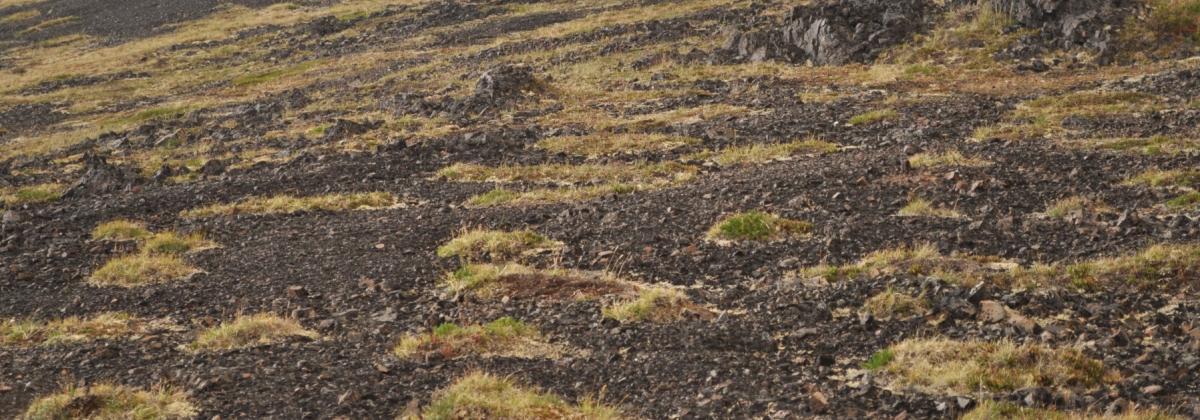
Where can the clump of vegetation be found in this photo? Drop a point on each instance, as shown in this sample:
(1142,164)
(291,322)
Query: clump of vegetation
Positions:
(249,331)
(1168,27)
(1043,117)
(1189,200)
(969,37)
(870,117)
(1158,266)
(107,401)
(992,410)
(540,196)
(763,153)
(496,245)
(653,304)
(920,207)
(944,159)
(505,337)
(1076,204)
(1154,146)
(943,365)
(604,144)
(1157,178)
(25,333)
(120,230)
(32,194)
(141,270)
(490,280)
(480,395)
(287,204)
(564,174)
(756,226)
(173,243)
(892,304)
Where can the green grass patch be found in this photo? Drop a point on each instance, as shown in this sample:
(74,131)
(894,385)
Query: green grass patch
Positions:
(757,226)
(32,194)
(497,246)
(763,153)
(875,116)
(480,395)
(120,230)
(249,331)
(1187,201)
(107,401)
(879,359)
(949,158)
(171,243)
(504,337)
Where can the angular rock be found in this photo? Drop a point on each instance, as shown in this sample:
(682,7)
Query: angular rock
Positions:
(100,177)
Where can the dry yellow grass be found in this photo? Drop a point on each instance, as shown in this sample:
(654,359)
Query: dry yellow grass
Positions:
(892,304)
(141,270)
(949,158)
(654,304)
(1075,205)
(564,174)
(249,331)
(29,332)
(32,194)
(287,204)
(504,337)
(480,395)
(540,196)
(920,207)
(120,230)
(757,226)
(497,246)
(763,153)
(992,410)
(602,144)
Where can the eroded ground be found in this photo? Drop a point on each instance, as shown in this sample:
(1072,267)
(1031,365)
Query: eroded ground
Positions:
(704,236)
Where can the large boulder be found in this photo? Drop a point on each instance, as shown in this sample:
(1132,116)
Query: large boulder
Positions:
(101,177)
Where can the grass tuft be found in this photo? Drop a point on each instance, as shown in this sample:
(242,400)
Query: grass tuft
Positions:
(120,230)
(505,337)
(1077,204)
(756,226)
(490,280)
(875,116)
(495,245)
(249,331)
(891,304)
(565,174)
(605,144)
(653,304)
(943,365)
(945,159)
(171,243)
(287,204)
(107,401)
(33,194)
(540,196)
(763,153)
(992,410)
(27,333)
(141,270)
(480,395)
(920,207)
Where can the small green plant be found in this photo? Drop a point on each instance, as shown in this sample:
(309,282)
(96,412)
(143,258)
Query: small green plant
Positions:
(502,337)
(249,331)
(870,117)
(480,395)
(879,359)
(757,226)
(1189,200)
(175,244)
(480,244)
(33,194)
(120,230)
(108,401)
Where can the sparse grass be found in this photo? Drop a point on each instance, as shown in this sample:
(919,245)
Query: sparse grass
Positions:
(120,230)
(490,280)
(948,158)
(47,24)
(249,331)
(1163,266)
(756,226)
(111,402)
(287,204)
(20,17)
(968,37)
(604,144)
(763,153)
(870,117)
(653,304)
(480,395)
(1153,146)
(28,332)
(942,365)
(992,410)
(504,337)
(1157,178)
(32,194)
(920,207)
(274,74)
(1187,201)
(1060,209)
(496,246)
(1043,116)
(892,304)
(141,270)
(539,196)
(171,243)
(564,174)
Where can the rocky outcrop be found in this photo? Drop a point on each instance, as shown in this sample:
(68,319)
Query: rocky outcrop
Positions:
(1066,24)
(834,32)
(101,177)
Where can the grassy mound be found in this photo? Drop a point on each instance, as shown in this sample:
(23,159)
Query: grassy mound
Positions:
(480,395)
(249,331)
(502,337)
(757,226)
(495,245)
(106,401)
